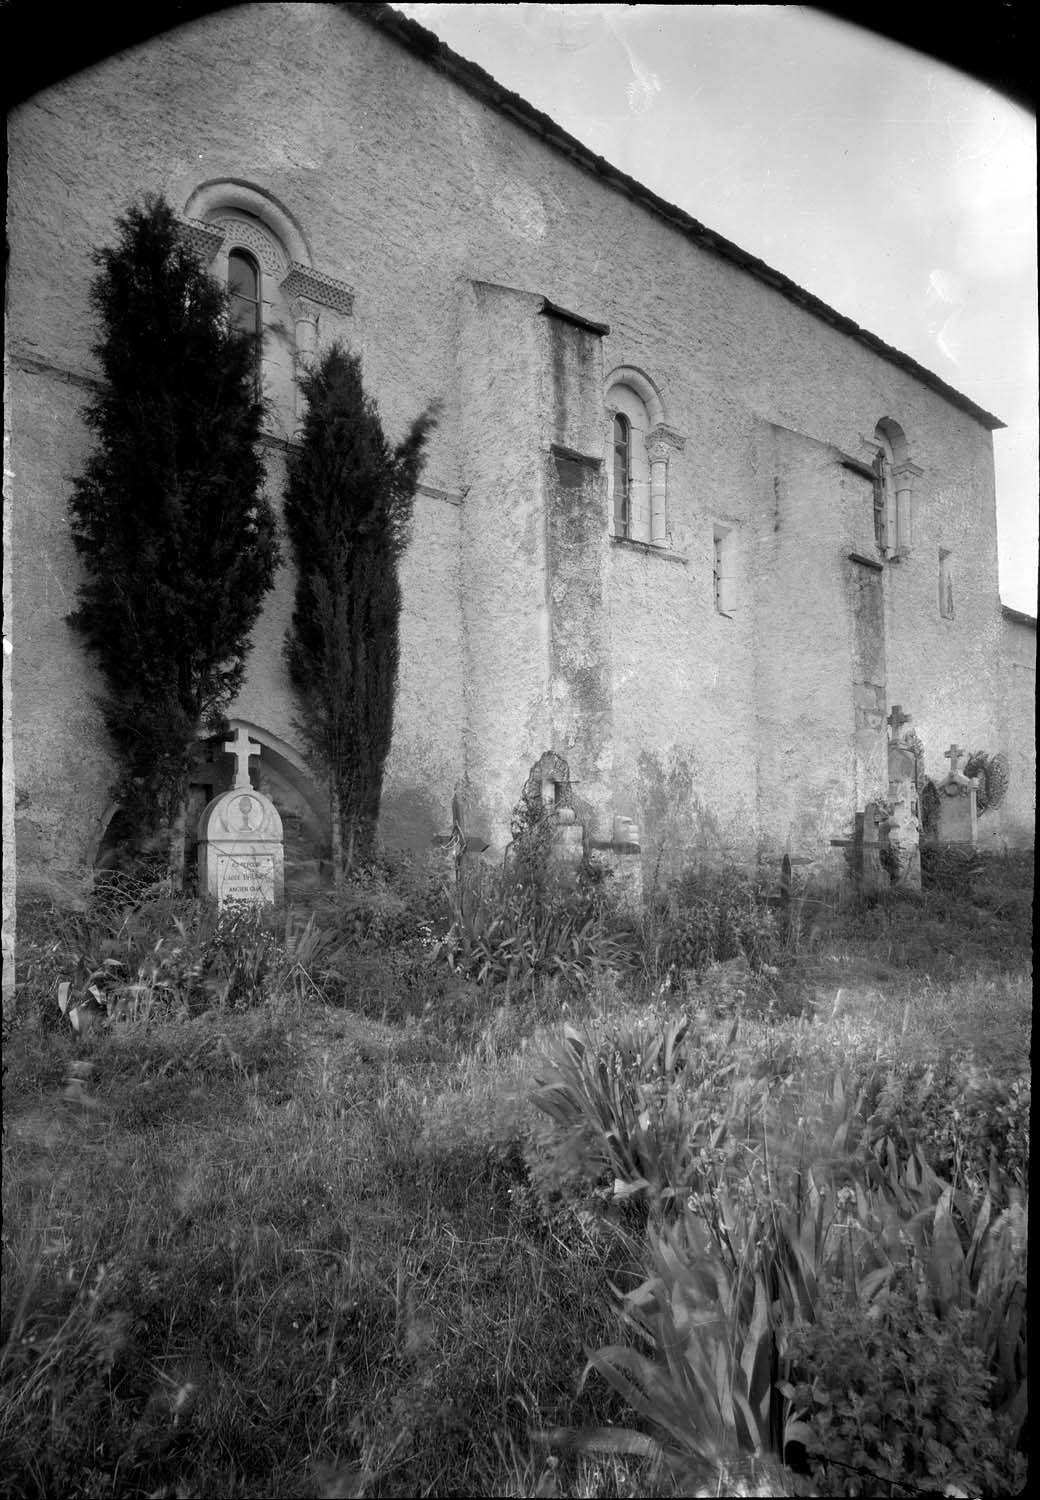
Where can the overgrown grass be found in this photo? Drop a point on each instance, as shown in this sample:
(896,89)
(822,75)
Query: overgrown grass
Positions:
(299,1228)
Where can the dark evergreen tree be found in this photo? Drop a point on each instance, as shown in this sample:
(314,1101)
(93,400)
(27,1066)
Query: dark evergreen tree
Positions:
(168,517)
(348,509)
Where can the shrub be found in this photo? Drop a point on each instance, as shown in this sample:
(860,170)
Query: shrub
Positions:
(505,930)
(892,1399)
(761,1186)
(709,916)
(970,1125)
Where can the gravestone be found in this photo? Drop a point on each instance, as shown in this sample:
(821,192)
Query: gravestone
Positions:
(958,808)
(872,875)
(241,855)
(902,828)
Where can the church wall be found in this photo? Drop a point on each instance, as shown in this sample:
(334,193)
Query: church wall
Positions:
(429,722)
(63,767)
(505,614)
(813,724)
(431,205)
(1013,822)
(580,663)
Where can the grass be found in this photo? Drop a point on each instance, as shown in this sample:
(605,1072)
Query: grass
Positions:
(294,1249)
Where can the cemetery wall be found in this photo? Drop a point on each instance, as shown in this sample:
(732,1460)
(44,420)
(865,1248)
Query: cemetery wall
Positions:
(451,222)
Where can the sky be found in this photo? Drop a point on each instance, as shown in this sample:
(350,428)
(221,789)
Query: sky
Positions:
(896,189)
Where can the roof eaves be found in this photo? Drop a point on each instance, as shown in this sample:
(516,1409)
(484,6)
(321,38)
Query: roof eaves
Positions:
(475,80)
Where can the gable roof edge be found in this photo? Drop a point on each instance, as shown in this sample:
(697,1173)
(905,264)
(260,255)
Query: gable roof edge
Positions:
(471,77)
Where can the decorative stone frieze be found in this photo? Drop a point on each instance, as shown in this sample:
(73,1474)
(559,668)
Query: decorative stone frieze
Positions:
(316,286)
(238,233)
(204,239)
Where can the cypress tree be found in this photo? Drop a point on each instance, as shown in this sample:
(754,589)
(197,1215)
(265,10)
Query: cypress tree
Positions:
(168,517)
(348,509)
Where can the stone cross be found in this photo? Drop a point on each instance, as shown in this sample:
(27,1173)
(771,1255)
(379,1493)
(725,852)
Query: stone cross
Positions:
(242,747)
(953,755)
(897,718)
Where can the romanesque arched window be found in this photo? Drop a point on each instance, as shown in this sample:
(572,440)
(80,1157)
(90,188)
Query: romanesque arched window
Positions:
(244,291)
(641,445)
(255,247)
(622,473)
(245,298)
(893,490)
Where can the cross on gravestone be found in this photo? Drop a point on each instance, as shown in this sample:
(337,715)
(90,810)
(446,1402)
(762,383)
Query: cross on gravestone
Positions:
(953,755)
(897,718)
(242,747)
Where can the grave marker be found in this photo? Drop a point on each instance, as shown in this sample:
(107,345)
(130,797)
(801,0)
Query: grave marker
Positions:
(902,828)
(241,852)
(958,807)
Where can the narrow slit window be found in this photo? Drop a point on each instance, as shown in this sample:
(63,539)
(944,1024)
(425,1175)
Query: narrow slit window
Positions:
(622,474)
(882,469)
(724,570)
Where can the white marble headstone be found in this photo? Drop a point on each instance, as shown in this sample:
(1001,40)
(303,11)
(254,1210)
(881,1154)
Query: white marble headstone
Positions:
(241,850)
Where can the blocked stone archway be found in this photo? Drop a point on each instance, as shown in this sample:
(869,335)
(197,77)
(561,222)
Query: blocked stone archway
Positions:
(282,774)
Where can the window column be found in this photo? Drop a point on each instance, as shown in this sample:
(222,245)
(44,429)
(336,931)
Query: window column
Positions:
(903,476)
(661,442)
(305,327)
(306,291)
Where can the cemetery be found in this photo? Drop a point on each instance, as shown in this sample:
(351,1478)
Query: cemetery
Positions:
(522,973)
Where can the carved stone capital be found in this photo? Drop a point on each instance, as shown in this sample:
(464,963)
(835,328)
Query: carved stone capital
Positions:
(665,437)
(904,474)
(303,310)
(315,286)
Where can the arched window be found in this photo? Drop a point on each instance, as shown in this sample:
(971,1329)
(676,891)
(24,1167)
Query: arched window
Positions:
(883,463)
(244,289)
(259,252)
(630,472)
(641,445)
(893,491)
(622,473)
(247,311)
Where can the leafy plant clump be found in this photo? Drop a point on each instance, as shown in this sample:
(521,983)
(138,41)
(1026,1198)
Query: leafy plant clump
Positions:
(168,517)
(507,930)
(895,1400)
(708,917)
(759,1186)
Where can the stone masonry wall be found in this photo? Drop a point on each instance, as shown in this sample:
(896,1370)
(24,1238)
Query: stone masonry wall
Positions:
(432,205)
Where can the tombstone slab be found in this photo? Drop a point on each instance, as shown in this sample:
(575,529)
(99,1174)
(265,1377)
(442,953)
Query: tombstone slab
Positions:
(241,852)
(872,876)
(958,814)
(958,821)
(902,828)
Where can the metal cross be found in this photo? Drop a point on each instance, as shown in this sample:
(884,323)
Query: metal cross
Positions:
(241,747)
